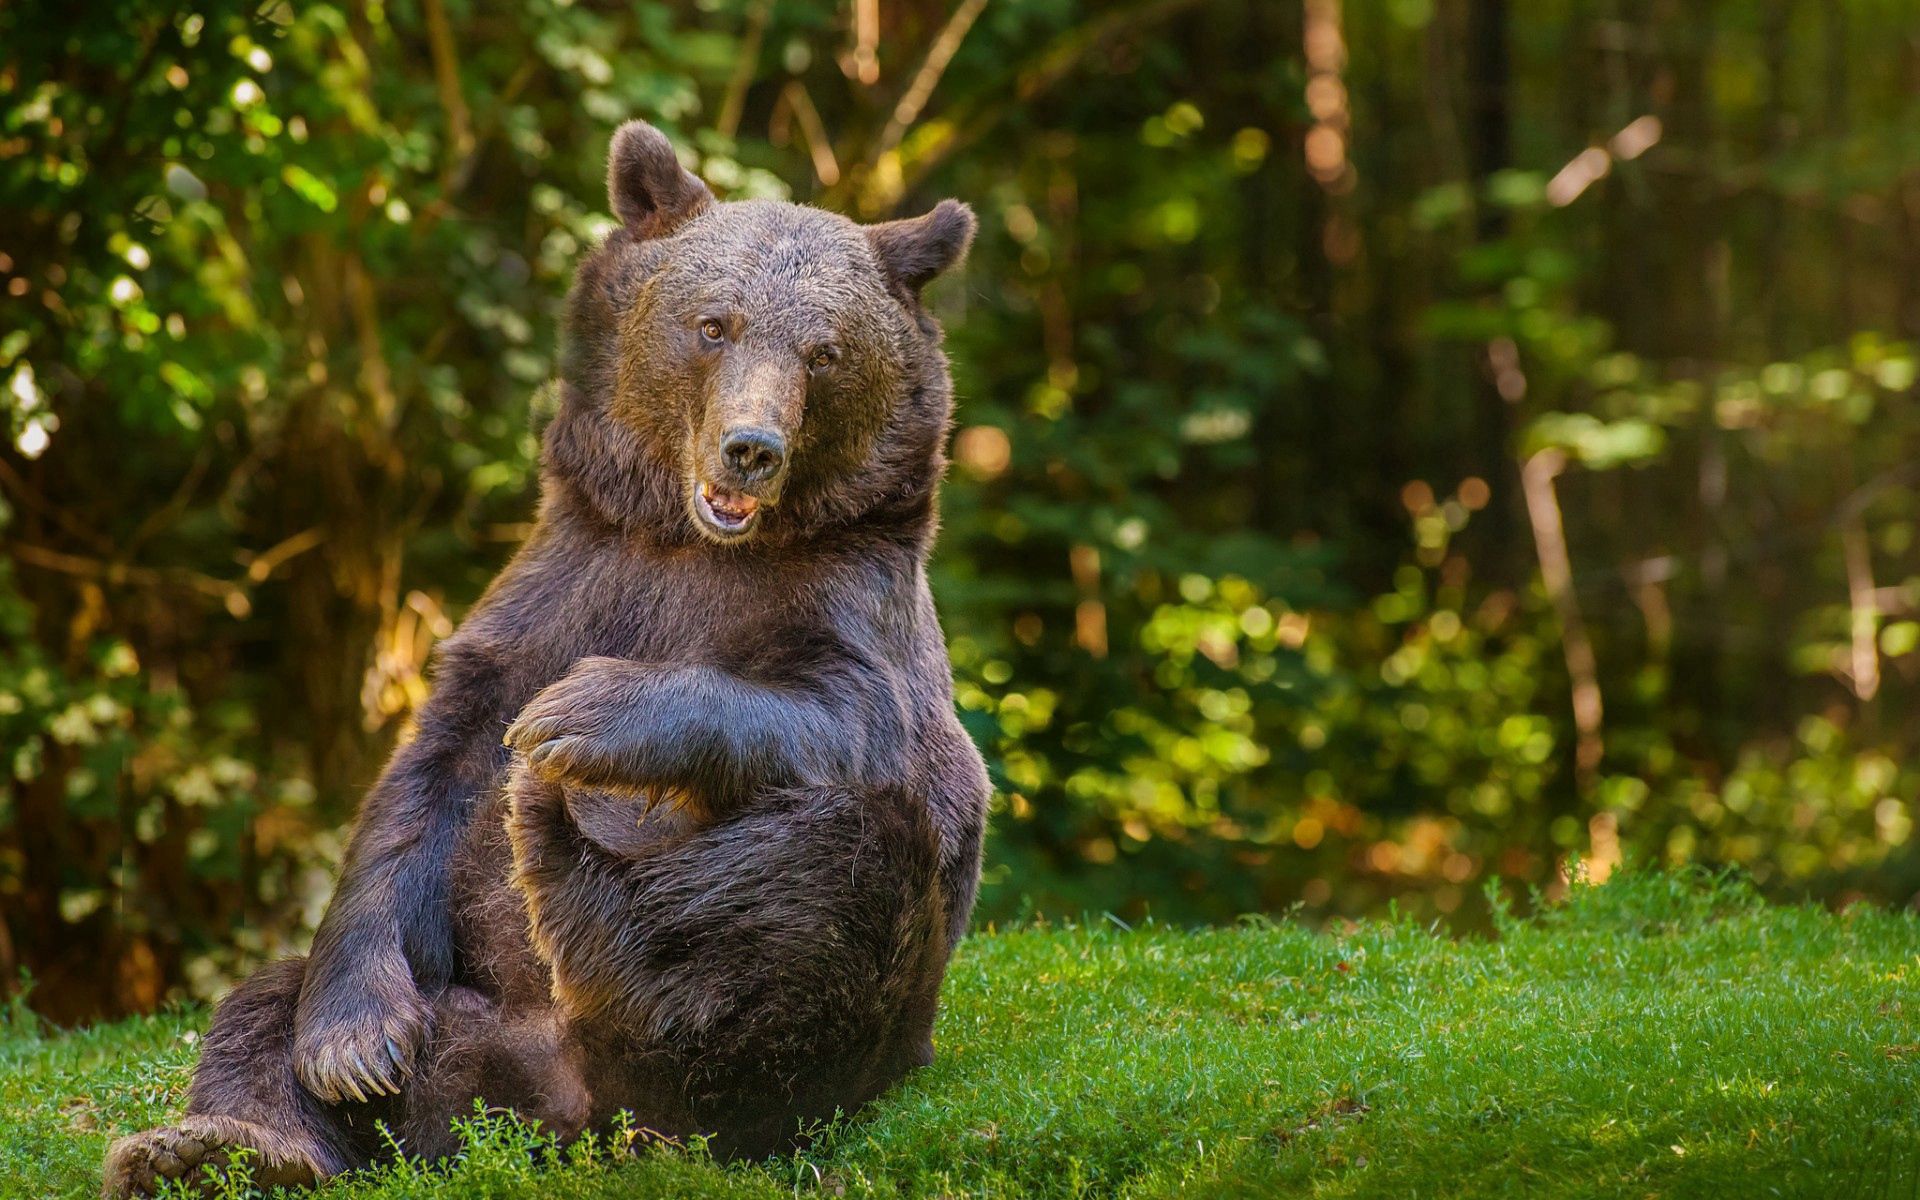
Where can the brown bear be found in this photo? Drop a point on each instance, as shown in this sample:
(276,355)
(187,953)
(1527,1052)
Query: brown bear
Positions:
(713,876)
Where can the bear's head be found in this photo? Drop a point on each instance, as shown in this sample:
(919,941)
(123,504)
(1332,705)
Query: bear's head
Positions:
(751,371)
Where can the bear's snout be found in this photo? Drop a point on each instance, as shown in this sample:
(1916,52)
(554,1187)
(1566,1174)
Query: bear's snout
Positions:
(754,455)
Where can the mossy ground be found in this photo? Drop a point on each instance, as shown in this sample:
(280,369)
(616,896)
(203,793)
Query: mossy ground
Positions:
(1658,1036)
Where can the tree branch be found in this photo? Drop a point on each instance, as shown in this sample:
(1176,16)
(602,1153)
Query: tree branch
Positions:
(1556,570)
(446,74)
(939,56)
(727,123)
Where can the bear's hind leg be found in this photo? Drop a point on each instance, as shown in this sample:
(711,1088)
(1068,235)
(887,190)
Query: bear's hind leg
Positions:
(244,1098)
(765,970)
(503,1057)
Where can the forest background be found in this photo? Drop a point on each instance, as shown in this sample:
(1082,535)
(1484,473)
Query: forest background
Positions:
(1399,444)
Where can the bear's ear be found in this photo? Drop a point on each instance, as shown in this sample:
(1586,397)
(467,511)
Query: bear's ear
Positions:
(649,189)
(912,252)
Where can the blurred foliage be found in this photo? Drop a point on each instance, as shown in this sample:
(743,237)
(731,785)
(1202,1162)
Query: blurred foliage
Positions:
(1398,444)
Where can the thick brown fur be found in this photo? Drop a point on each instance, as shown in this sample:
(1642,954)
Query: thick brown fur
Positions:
(715,874)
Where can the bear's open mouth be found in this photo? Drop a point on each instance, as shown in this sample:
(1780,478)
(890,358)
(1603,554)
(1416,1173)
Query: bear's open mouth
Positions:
(729,513)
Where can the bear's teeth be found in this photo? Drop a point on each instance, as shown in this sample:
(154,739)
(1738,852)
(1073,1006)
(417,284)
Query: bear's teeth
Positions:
(731,507)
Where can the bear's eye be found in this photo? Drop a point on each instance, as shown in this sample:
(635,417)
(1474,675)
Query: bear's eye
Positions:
(822,358)
(712,330)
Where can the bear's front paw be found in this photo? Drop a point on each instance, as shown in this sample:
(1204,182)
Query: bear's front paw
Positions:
(576,730)
(358,1050)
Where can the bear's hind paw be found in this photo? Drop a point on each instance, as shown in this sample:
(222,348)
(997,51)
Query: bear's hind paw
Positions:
(199,1153)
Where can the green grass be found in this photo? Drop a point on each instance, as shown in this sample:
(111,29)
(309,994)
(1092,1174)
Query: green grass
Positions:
(1659,1036)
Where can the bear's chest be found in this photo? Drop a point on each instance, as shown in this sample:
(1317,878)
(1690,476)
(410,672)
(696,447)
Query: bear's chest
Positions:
(698,608)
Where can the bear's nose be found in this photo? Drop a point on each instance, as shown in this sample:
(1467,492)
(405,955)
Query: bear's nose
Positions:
(755,455)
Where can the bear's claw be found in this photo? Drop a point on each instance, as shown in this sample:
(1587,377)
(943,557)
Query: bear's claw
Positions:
(354,1063)
(579,759)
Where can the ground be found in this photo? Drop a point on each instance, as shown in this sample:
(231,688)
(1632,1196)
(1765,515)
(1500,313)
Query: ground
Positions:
(1658,1036)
